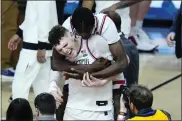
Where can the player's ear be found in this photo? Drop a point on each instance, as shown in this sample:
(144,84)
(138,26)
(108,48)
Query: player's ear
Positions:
(37,113)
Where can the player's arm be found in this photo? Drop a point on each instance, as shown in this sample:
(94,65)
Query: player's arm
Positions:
(59,63)
(54,89)
(116,49)
(55,76)
(88,4)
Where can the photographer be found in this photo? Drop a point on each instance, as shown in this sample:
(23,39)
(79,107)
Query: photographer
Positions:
(140,102)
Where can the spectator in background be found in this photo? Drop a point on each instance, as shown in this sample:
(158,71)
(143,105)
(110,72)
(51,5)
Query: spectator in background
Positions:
(33,66)
(140,103)
(19,110)
(9,27)
(137,12)
(175,34)
(45,105)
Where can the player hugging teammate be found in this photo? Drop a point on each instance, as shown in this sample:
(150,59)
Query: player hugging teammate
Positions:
(93,38)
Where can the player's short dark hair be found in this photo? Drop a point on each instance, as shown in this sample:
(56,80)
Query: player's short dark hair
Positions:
(141,97)
(83,20)
(19,110)
(45,103)
(56,33)
(115,17)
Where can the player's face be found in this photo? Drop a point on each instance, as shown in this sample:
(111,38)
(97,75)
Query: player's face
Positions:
(67,46)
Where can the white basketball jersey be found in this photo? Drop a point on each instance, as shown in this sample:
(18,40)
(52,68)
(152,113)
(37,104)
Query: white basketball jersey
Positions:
(86,98)
(103,51)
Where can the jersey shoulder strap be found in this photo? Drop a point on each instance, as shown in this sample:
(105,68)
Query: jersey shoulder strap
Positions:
(71,23)
(99,29)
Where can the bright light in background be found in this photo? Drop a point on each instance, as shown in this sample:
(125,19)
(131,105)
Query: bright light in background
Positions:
(156,4)
(177,3)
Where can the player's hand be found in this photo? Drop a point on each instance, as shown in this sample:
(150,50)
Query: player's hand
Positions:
(90,81)
(170,39)
(56,92)
(100,64)
(41,56)
(13,42)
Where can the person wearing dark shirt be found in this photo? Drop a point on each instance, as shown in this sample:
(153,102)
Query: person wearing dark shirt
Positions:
(175,34)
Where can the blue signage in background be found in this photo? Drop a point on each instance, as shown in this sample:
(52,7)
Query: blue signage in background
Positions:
(70,6)
(163,10)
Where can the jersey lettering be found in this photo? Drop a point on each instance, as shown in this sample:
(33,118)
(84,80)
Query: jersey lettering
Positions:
(83,61)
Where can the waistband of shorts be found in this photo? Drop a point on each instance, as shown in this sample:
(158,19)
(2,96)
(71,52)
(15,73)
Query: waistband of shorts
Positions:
(33,46)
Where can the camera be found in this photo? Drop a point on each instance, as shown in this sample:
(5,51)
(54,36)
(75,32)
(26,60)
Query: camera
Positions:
(125,91)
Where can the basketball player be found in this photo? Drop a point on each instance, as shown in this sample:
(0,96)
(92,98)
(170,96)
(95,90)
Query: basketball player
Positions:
(88,16)
(83,24)
(34,62)
(84,52)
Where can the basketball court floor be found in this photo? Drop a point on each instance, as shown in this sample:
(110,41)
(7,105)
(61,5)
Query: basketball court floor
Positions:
(154,70)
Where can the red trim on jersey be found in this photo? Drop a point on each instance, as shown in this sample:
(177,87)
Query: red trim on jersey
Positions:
(71,23)
(119,82)
(96,24)
(89,50)
(102,25)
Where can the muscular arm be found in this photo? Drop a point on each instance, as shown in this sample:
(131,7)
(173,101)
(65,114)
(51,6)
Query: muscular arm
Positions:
(59,63)
(118,66)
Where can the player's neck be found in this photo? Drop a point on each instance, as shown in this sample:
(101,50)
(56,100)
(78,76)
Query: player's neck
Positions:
(77,45)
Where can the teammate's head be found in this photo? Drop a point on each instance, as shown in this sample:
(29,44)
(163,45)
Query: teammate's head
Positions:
(83,21)
(45,104)
(63,41)
(140,97)
(19,110)
(116,19)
